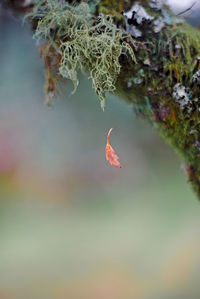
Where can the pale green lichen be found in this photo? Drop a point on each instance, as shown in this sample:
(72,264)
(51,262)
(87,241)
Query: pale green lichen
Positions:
(84,43)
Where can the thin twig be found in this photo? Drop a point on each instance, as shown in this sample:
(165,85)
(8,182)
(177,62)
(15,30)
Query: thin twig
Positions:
(187,9)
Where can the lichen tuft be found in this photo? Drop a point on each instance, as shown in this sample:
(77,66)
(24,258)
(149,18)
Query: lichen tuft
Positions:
(84,43)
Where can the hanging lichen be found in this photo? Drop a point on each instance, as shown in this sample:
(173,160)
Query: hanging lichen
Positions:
(83,43)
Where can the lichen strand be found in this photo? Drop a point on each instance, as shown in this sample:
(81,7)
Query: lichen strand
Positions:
(164,85)
(83,42)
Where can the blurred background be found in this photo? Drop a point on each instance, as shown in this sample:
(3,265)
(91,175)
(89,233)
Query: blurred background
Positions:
(71,225)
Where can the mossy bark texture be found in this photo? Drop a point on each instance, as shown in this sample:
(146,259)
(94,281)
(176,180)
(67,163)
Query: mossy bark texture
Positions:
(137,50)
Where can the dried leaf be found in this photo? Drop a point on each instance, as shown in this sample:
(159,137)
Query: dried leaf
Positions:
(111,156)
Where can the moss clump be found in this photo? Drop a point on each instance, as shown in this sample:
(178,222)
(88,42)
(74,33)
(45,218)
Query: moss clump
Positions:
(184,47)
(114,8)
(83,42)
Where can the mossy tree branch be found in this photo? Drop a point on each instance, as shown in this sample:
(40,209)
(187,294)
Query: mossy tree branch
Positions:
(142,53)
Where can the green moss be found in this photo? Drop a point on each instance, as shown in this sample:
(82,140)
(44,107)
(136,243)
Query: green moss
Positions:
(182,64)
(114,8)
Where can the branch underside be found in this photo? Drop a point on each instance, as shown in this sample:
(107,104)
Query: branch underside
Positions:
(143,54)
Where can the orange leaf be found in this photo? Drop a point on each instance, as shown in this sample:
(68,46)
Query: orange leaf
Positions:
(111,156)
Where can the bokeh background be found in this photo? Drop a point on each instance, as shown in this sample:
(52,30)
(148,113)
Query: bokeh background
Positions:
(72,226)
